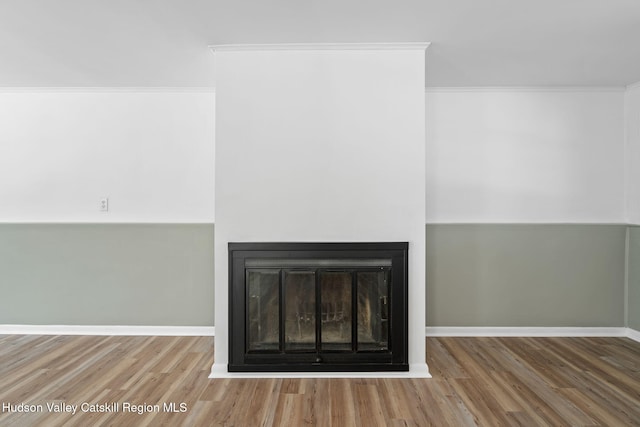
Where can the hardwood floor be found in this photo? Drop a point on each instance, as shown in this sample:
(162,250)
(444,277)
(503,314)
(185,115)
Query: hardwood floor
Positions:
(476,381)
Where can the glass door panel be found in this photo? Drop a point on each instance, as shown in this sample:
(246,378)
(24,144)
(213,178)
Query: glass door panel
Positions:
(335,310)
(263,314)
(373,310)
(300,310)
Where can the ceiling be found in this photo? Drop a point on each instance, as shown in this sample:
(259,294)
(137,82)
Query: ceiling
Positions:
(155,43)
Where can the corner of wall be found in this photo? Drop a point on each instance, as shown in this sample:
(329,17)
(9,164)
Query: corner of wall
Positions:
(632,153)
(626,277)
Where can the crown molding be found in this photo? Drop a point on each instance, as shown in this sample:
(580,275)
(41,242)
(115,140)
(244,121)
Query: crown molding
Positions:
(319,46)
(515,89)
(103,223)
(211,89)
(104,89)
(635,85)
(527,223)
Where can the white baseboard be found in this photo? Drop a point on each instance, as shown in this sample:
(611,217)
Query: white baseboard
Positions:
(206,331)
(456,331)
(118,330)
(416,370)
(633,334)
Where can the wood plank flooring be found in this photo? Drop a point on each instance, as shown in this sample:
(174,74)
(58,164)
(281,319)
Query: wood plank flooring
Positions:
(476,381)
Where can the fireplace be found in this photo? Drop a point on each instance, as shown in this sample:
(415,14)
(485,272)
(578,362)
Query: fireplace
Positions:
(305,307)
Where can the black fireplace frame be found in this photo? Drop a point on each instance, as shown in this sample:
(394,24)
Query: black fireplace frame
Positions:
(395,358)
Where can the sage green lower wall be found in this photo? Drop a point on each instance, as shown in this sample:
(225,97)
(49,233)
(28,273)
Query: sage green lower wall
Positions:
(162,274)
(633,302)
(106,274)
(526,275)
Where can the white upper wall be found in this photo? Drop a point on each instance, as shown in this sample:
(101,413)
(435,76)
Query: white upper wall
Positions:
(632,153)
(493,155)
(508,155)
(151,152)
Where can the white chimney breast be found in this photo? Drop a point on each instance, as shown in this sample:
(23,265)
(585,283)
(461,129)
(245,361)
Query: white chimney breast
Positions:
(321,143)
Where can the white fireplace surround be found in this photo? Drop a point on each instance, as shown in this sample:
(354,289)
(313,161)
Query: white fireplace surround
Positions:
(321,143)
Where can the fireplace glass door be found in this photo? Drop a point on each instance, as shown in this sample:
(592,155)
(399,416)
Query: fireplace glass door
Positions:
(373,310)
(319,312)
(314,310)
(263,305)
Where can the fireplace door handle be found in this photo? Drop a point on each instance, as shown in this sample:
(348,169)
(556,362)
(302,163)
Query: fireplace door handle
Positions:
(383,309)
